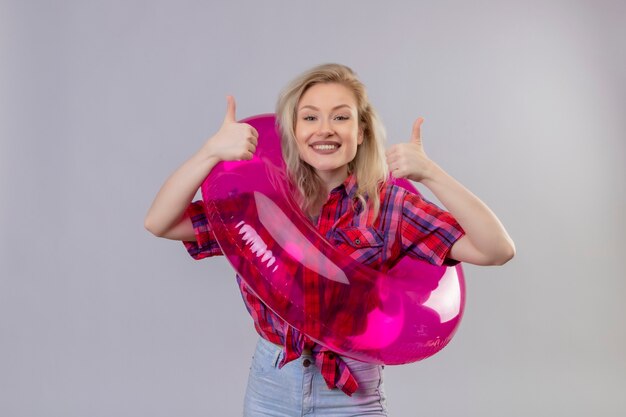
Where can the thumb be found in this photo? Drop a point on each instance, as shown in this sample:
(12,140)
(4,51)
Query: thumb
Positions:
(230,110)
(416,134)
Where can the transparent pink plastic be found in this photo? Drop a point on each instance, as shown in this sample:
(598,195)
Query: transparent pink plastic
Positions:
(403,316)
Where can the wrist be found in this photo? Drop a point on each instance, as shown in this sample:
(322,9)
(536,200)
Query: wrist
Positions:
(431,173)
(207,154)
(424,170)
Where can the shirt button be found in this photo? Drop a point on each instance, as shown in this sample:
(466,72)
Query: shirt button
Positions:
(331,355)
(357,241)
(306,363)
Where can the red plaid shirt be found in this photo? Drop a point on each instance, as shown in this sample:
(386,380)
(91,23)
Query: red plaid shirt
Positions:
(407,224)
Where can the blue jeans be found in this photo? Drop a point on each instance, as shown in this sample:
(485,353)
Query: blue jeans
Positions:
(298,389)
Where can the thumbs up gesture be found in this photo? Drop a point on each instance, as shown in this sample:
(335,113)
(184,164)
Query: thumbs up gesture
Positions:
(234,141)
(408,160)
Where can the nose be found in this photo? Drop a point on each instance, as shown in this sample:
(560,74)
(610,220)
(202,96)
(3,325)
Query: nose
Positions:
(325,129)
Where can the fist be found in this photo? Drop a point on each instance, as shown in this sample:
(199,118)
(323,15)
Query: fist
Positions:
(234,141)
(408,160)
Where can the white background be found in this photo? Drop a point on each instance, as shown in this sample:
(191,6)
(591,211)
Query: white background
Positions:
(524,102)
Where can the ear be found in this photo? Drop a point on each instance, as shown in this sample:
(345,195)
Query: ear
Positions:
(359,139)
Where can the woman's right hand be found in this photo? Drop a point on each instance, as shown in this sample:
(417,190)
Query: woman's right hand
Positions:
(234,141)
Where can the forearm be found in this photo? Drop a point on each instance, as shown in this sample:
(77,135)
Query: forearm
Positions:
(170,203)
(486,241)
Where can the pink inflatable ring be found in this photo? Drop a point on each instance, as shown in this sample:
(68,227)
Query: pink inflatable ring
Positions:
(405,315)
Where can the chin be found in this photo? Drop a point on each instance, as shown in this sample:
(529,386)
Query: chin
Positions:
(327,168)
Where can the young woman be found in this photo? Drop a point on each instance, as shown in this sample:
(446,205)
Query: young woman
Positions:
(332,143)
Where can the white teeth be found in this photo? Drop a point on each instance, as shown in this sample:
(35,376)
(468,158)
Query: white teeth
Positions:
(257,245)
(325,147)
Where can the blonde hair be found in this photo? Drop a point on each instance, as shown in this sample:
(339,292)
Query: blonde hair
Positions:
(368,166)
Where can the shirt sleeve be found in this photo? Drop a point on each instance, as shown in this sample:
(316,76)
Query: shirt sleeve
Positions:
(428,232)
(205,244)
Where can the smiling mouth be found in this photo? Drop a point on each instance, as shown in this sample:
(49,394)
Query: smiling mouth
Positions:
(325,147)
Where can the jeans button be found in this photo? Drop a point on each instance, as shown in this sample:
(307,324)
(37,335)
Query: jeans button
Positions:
(306,363)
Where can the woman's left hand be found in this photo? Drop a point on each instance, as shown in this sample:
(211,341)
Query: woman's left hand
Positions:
(486,242)
(408,160)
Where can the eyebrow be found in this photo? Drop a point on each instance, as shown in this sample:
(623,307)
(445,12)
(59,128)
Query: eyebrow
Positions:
(308,106)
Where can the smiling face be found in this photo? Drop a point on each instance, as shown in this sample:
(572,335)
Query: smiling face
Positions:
(327,130)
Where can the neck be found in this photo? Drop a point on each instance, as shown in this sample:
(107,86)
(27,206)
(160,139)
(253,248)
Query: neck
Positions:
(333,179)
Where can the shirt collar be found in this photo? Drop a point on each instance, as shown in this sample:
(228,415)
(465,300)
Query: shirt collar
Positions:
(349,186)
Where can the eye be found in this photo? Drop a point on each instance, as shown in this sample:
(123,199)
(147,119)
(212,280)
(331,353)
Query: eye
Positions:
(309,118)
(342,117)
